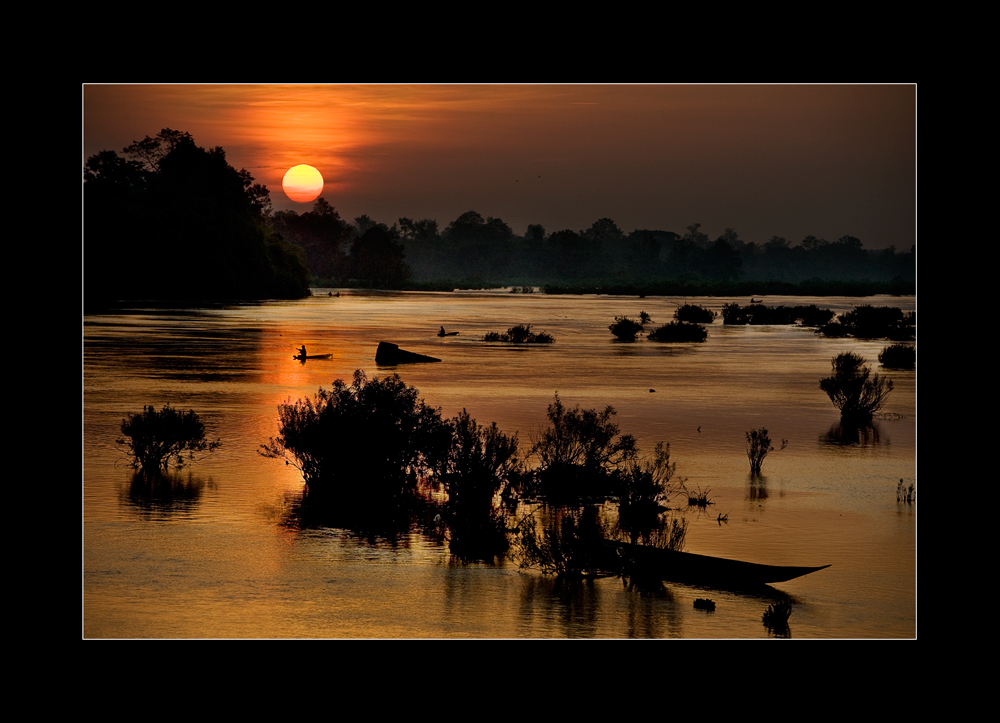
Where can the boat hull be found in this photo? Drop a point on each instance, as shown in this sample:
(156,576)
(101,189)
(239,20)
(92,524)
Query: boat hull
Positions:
(703,569)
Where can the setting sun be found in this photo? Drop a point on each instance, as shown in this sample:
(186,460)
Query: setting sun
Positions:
(302,183)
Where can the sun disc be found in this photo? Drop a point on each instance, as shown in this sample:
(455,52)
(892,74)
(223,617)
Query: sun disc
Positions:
(302,183)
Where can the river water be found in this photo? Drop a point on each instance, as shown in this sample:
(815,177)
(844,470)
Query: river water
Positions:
(212,556)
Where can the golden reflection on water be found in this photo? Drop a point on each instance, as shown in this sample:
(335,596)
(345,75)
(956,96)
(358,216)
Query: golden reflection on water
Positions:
(209,556)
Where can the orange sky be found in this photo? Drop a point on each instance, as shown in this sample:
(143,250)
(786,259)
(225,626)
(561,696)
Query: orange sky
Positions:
(785,160)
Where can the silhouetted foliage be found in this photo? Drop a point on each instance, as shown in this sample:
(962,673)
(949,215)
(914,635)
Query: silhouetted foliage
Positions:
(898,356)
(520,334)
(874,322)
(371,441)
(482,467)
(378,259)
(758,447)
(152,439)
(625,329)
(579,452)
(643,489)
(678,331)
(172,220)
(694,314)
(324,238)
(810,315)
(854,390)
(775,617)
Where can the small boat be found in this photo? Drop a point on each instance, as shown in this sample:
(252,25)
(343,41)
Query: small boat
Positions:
(300,357)
(703,569)
(447,333)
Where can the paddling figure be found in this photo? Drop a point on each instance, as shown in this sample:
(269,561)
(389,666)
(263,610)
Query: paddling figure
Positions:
(302,351)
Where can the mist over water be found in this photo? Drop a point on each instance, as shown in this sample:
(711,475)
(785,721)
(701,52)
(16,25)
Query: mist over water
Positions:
(211,556)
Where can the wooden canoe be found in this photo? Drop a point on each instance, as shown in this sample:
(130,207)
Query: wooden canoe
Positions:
(703,569)
(312,356)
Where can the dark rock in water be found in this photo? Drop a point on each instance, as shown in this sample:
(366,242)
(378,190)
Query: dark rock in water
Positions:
(390,354)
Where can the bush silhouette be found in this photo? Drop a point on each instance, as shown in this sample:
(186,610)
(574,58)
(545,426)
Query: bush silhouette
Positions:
(520,334)
(579,452)
(153,439)
(898,356)
(625,329)
(854,390)
(372,440)
(678,331)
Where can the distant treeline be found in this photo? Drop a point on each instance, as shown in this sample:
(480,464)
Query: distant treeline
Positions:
(170,220)
(477,252)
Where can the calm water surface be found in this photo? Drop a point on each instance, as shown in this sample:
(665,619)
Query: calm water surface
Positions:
(213,557)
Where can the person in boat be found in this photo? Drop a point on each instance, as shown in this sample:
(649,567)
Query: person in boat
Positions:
(302,351)
(442,332)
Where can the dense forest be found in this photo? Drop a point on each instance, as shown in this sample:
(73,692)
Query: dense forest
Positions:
(171,220)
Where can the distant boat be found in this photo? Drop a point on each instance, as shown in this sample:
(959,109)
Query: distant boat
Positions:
(300,357)
(447,333)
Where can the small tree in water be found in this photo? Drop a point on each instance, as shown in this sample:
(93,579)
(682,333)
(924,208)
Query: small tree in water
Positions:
(758,446)
(153,439)
(854,390)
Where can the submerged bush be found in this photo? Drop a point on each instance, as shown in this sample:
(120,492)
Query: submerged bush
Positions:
(520,334)
(625,329)
(810,315)
(874,322)
(153,439)
(373,439)
(898,356)
(678,331)
(758,447)
(579,452)
(694,314)
(482,465)
(643,489)
(854,390)
(775,617)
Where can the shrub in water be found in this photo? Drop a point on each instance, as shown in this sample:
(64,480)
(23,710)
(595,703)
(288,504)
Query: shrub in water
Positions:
(579,452)
(758,446)
(372,439)
(625,329)
(643,489)
(898,356)
(678,331)
(520,334)
(854,390)
(153,439)
(482,463)
(775,617)
(694,314)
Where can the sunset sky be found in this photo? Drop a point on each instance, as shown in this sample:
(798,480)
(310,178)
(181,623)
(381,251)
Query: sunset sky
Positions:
(765,160)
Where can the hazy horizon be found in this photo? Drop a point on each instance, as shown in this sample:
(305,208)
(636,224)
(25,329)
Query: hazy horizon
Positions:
(765,160)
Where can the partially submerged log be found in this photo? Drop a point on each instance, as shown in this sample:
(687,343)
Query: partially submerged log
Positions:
(390,354)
